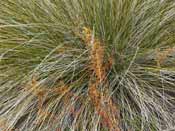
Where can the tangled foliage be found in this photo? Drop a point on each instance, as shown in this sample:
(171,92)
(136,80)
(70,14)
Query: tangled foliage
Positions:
(87,65)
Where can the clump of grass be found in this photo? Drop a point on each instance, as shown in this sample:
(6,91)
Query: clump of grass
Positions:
(87,65)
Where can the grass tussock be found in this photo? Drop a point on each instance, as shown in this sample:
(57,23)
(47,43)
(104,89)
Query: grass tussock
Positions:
(95,65)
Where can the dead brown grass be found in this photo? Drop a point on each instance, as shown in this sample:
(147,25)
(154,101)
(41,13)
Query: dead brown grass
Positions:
(104,108)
